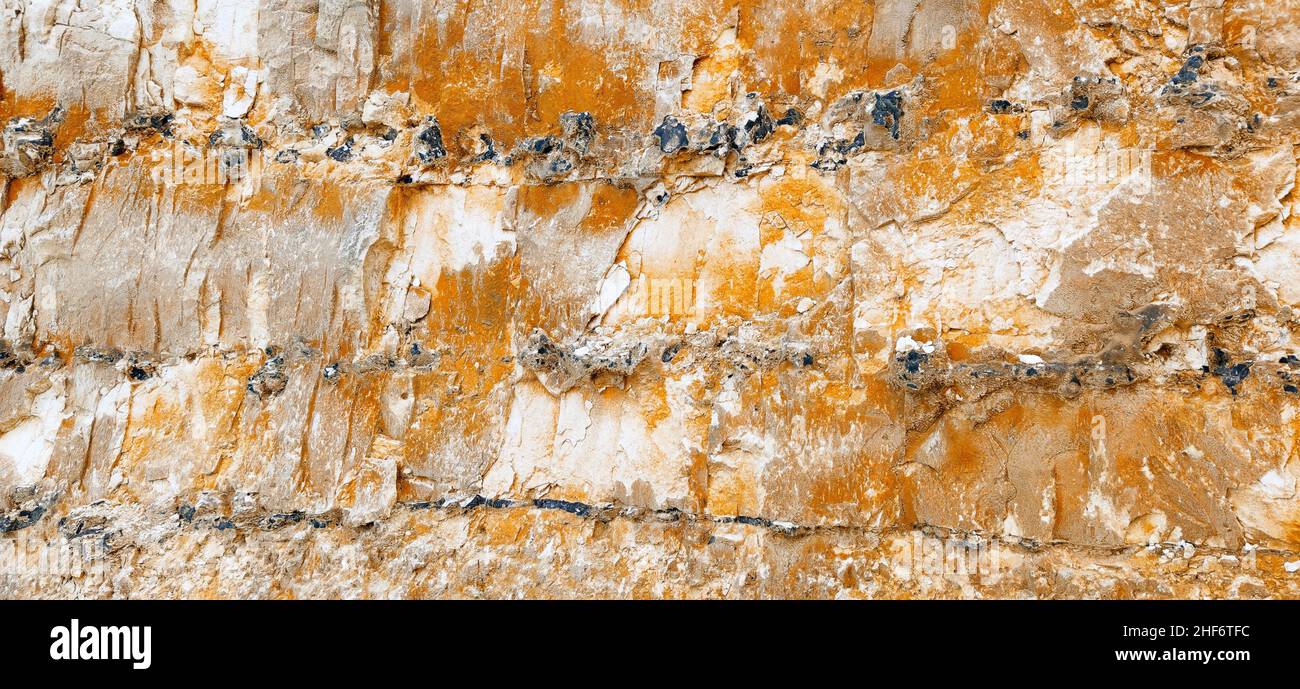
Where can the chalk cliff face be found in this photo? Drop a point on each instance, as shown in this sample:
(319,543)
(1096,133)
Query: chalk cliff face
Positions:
(649,298)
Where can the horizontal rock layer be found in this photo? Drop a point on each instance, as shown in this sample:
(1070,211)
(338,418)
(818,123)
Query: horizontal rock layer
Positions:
(677,298)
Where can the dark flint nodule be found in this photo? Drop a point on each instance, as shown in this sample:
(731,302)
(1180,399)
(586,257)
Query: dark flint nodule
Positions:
(1232,376)
(760,126)
(341,153)
(1189,72)
(162,124)
(559,166)
(489,149)
(888,111)
(671,135)
(577,508)
(722,138)
(428,142)
(544,145)
(791,117)
(580,128)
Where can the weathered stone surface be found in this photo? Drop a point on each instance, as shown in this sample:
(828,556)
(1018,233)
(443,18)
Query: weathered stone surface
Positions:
(681,298)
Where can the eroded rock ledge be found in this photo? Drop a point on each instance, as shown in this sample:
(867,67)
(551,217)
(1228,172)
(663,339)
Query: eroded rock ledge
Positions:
(368,298)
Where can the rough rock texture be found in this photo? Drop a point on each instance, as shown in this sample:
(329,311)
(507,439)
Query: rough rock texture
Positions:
(562,298)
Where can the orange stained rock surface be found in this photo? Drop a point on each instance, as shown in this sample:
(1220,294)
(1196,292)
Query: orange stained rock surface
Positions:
(815,280)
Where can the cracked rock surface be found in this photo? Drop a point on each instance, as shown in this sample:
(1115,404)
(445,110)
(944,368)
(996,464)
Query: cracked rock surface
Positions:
(686,298)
